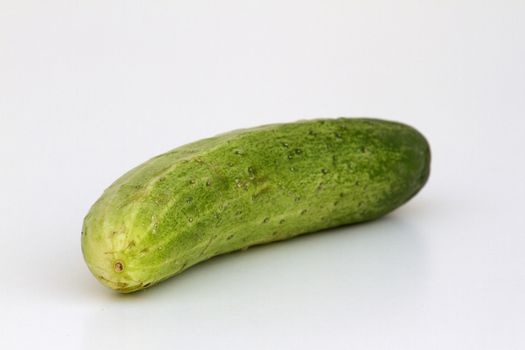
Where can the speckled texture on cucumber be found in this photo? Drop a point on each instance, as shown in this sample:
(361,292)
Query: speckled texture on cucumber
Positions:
(249,187)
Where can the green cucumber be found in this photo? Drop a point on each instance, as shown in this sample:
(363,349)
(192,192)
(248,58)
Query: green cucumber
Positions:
(249,187)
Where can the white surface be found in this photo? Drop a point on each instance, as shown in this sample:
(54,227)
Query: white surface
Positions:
(89,89)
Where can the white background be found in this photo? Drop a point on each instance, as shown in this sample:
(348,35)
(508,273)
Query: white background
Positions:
(89,89)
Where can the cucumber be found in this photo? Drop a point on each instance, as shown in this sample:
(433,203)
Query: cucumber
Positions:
(249,187)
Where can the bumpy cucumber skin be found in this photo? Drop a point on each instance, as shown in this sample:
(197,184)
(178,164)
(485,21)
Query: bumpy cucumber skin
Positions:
(249,187)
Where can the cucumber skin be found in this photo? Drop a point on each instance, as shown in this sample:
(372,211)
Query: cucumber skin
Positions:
(249,187)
